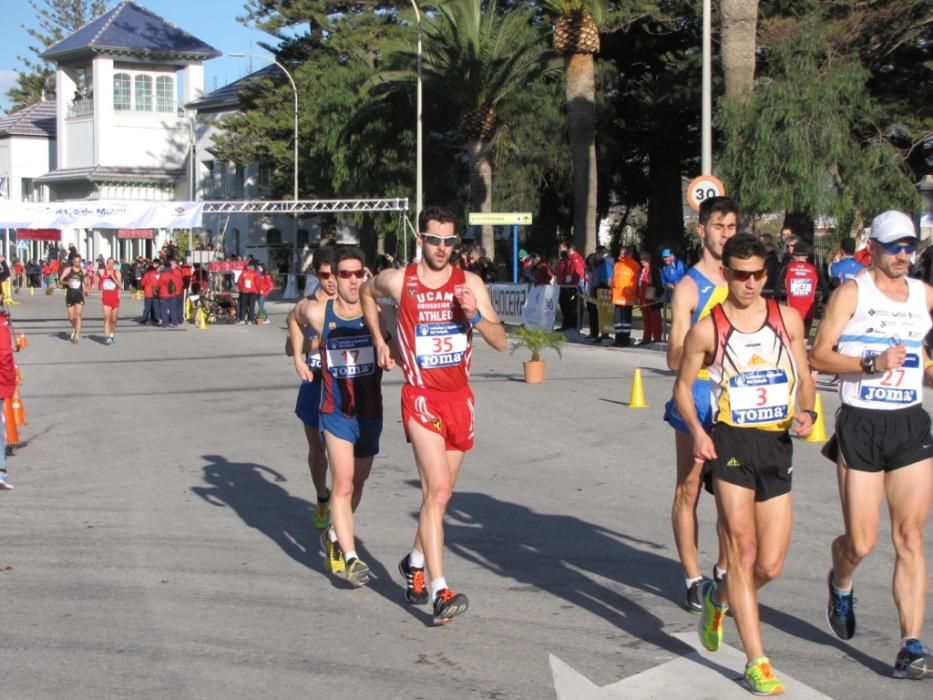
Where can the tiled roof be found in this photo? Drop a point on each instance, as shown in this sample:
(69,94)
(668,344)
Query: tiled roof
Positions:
(34,120)
(98,173)
(129,28)
(229,94)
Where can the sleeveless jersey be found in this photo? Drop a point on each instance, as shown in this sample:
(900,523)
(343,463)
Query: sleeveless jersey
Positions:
(753,376)
(708,296)
(435,337)
(313,357)
(877,324)
(351,377)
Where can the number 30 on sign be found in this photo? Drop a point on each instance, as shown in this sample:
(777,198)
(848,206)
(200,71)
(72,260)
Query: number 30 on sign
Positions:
(702,188)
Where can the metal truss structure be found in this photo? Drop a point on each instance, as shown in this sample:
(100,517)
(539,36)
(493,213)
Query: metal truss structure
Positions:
(306,206)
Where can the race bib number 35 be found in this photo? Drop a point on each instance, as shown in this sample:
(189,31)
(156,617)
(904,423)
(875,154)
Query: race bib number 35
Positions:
(440,344)
(350,357)
(759,397)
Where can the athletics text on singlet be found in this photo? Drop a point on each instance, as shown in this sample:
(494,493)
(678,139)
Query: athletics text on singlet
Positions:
(435,337)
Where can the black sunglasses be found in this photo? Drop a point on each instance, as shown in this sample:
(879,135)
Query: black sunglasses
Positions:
(347,274)
(744,275)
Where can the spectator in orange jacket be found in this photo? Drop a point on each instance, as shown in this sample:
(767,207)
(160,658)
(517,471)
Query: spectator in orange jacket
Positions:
(624,294)
(246,284)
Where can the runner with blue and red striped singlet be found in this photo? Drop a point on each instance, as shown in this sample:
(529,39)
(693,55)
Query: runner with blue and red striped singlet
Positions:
(350,418)
(439,307)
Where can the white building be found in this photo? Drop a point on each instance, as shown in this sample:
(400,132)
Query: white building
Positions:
(27,151)
(121,132)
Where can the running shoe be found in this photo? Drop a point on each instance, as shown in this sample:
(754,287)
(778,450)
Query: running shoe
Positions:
(840,611)
(448,605)
(719,575)
(333,555)
(73,337)
(321,517)
(357,572)
(760,678)
(5,484)
(415,590)
(710,625)
(693,603)
(109,341)
(914,661)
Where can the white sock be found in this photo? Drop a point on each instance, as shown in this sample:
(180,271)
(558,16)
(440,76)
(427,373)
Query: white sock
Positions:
(347,556)
(437,585)
(416,559)
(332,534)
(691,581)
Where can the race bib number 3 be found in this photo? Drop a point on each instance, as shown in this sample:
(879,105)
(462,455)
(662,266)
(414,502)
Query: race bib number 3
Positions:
(440,344)
(759,397)
(895,386)
(350,357)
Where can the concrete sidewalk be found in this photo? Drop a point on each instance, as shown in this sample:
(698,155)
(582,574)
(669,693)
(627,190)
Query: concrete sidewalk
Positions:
(159,540)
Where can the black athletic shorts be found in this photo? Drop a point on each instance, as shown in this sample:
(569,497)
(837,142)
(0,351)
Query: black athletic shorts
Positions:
(755,459)
(872,441)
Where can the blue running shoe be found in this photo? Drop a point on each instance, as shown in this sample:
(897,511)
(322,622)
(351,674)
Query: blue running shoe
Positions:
(840,611)
(914,661)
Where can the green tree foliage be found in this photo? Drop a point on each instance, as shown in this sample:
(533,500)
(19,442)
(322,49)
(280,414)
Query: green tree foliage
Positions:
(814,137)
(56,19)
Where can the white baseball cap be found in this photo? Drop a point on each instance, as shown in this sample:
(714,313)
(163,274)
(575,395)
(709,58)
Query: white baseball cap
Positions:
(891,226)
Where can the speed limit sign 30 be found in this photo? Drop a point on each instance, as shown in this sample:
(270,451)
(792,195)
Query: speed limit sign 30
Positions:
(702,188)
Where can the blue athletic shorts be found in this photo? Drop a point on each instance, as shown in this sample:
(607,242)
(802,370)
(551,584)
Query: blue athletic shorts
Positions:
(308,406)
(364,434)
(702,401)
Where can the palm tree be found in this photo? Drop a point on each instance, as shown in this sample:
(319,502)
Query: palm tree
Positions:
(576,38)
(475,58)
(739,23)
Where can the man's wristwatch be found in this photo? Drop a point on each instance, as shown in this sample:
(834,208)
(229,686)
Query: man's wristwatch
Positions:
(813,414)
(868,364)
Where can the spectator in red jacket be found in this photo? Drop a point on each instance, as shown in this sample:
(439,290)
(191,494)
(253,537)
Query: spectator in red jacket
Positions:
(152,308)
(570,271)
(264,286)
(246,285)
(7,386)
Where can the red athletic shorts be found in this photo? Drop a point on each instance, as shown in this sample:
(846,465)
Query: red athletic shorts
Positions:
(110,298)
(447,413)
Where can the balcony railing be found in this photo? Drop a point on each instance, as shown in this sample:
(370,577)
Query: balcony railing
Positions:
(83,107)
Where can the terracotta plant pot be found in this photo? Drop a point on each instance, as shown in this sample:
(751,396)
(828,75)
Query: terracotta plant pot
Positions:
(534,371)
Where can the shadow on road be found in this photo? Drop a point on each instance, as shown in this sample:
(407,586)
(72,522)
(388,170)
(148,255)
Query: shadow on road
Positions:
(566,556)
(256,494)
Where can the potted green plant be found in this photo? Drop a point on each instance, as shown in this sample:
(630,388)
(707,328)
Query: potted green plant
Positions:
(535,340)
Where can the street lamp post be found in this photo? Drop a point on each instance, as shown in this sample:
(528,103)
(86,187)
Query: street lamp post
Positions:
(291,80)
(419,192)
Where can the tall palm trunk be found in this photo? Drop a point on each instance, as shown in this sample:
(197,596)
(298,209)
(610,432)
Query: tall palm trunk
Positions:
(480,157)
(739,28)
(580,90)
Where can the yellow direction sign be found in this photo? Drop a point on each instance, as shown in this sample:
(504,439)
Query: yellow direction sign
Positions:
(506,218)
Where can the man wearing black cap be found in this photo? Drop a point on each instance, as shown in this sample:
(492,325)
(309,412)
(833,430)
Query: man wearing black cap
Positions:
(872,337)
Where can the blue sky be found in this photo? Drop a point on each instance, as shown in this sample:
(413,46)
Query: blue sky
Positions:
(212,21)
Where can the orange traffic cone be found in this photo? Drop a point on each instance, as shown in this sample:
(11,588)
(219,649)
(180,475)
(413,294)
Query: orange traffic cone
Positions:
(21,341)
(12,434)
(19,377)
(19,412)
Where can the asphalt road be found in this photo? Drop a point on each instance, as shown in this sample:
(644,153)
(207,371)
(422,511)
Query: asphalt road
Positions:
(159,541)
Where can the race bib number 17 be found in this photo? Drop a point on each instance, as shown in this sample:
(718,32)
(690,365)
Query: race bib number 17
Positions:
(350,357)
